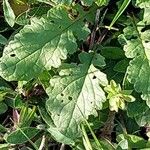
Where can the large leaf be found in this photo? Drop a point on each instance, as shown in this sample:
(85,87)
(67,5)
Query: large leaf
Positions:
(41,45)
(137,47)
(75,94)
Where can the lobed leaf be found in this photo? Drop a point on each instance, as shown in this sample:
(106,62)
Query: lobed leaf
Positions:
(41,45)
(74,95)
(137,47)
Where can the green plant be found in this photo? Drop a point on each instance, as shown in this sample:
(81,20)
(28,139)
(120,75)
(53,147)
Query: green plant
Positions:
(75,72)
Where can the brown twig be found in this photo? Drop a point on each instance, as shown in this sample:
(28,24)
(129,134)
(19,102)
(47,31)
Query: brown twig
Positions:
(109,126)
(92,39)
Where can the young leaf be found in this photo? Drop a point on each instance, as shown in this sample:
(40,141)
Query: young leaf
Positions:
(8,13)
(117,96)
(101,2)
(75,94)
(41,45)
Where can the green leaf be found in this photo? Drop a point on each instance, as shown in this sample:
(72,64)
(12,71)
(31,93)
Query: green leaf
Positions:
(142,115)
(3,92)
(58,136)
(133,141)
(144,118)
(101,2)
(66,2)
(112,52)
(3,40)
(137,47)
(87,2)
(97,59)
(4,146)
(8,13)
(143,3)
(106,144)
(42,45)
(2,129)
(45,1)
(75,94)
(146,15)
(98,2)
(24,19)
(17,137)
(84,2)
(3,107)
(45,116)
(121,66)
(123,144)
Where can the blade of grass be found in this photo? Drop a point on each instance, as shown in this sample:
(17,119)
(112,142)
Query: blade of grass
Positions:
(119,13)
(86,140)
(26,116)
(93,134)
